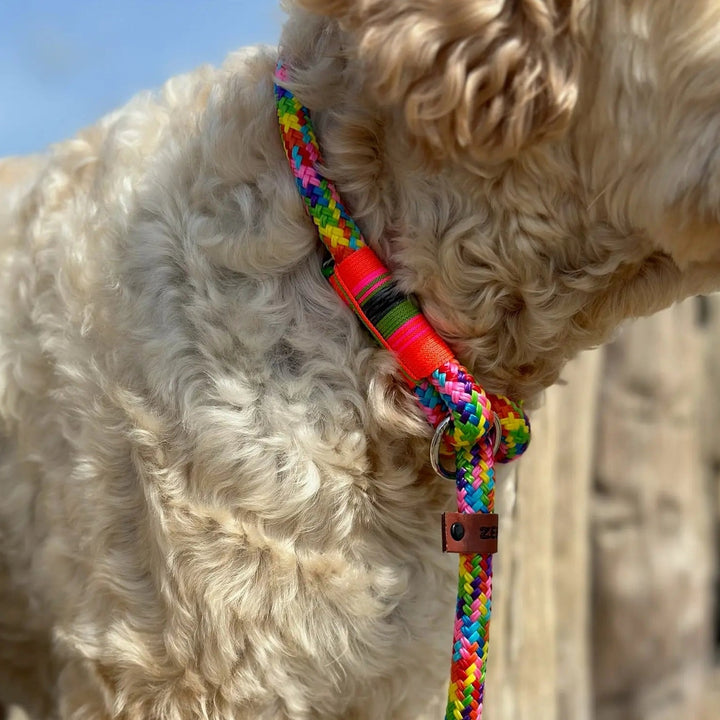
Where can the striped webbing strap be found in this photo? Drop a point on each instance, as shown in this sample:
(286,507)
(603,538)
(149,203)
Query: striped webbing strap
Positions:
(442,386)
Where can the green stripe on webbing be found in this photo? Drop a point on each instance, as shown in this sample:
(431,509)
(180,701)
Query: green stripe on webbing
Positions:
(398,315)
(380,281)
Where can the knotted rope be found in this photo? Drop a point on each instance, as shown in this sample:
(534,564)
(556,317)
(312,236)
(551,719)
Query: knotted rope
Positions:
(442,386)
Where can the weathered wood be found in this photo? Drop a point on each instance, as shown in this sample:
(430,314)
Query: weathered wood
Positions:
(636,441)
(710,420)
(651,526)
(711,710)
(710,405)
(577,405)
(539,665)
(521,672)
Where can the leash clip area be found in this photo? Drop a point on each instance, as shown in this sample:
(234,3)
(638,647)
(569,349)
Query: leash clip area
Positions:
(436,443)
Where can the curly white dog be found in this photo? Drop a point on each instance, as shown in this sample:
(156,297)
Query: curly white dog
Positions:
(215,496)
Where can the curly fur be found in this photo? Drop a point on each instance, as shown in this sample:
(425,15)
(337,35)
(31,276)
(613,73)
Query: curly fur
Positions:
(216,501)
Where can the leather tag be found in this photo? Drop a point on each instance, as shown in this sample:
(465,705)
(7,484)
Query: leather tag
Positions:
(470,534)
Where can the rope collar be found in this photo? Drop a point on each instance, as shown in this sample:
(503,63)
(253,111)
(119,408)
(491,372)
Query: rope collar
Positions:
(465,418)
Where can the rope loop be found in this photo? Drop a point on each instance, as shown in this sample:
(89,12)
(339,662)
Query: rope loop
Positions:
(471,410)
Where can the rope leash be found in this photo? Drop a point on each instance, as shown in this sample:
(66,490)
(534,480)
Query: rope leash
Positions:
(463,415)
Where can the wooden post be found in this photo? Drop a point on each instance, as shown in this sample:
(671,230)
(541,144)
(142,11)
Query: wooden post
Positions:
(652,558)
(539,665)
(709,316)
(616,459)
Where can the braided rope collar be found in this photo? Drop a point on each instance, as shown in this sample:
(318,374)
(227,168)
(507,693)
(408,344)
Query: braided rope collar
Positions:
(463,415)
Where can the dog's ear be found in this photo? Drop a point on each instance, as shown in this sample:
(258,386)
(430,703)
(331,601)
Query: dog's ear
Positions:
(477,78)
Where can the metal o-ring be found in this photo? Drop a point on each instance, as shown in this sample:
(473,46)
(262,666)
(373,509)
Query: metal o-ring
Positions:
(437,439)
(498,433)
(435,450)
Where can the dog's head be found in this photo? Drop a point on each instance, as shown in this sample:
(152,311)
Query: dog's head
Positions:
(565,157)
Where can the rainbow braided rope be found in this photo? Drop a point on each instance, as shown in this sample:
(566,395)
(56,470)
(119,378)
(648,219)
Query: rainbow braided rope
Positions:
(442,386)
(475,481)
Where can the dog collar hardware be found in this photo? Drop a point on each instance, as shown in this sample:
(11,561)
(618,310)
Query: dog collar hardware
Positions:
(436,446)
(462,413)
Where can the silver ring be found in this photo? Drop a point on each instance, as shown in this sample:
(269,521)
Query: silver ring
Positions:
(435,450)
(498,433)
(437,438)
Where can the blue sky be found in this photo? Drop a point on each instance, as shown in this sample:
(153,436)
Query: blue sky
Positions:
(64,63)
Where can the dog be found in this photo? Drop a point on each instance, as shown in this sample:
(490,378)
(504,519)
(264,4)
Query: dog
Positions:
(217,500)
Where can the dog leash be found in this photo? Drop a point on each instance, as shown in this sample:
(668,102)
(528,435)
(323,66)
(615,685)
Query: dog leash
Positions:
(465,418)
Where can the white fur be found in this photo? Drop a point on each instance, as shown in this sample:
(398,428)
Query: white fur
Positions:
(216,500)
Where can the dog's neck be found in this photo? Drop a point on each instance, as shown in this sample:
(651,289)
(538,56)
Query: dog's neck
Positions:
(505,268)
